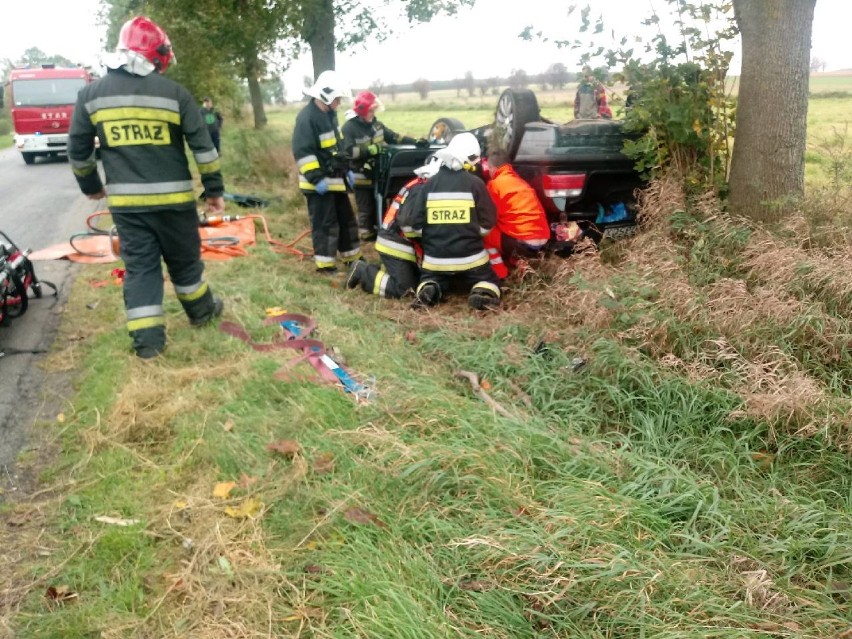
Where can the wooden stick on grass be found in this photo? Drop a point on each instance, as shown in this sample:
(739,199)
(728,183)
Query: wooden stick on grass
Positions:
(473,378)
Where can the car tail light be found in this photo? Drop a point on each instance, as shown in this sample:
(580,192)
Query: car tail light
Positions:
(564,185)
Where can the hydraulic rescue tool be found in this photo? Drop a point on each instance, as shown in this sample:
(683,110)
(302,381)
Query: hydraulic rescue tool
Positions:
(17,278)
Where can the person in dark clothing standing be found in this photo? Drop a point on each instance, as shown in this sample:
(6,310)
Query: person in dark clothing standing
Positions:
(363,139)
(213,119)
(143,120)
(323,174)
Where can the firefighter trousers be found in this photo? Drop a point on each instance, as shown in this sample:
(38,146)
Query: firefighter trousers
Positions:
(481,279)
(146,240)
(393,280)
(368,219)
(333,229)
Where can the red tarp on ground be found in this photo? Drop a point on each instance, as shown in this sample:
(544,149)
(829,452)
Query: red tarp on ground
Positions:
(96,248)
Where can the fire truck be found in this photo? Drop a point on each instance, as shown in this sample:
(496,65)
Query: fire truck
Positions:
(42,101)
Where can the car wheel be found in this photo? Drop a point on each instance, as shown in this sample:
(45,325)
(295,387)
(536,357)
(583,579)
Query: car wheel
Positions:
(29,158)
(444,129)
(515,108)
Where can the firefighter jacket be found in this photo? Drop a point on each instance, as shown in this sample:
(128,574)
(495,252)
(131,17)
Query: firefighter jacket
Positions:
(391,241)
(359,134)
(142,123)
(450,214)
(519,211)
(315,147)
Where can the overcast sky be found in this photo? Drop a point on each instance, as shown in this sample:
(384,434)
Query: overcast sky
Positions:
(482,40)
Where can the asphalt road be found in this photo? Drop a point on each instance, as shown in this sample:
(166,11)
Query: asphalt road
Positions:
(40,205)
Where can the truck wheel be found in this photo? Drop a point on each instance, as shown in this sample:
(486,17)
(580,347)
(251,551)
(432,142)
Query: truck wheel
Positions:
(515,108)
(444,129)
(29,158)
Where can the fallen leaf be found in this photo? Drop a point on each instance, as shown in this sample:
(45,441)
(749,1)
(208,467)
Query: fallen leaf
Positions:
(314,569)
(246,481)
(60,418)
(763,459)
(223,488)
(246,510)
(411,337)
(98,283)
(475,585)
(485,384)
(285,447)
(180,505)
(323,464)
(228,426)
(274,311)
(358,516)
(61,594)
(116,521)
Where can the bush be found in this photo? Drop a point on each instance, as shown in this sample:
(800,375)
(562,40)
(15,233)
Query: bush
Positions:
(5,127)
(260,157)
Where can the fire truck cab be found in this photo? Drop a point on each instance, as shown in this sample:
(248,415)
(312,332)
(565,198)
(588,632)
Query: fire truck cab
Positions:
(42,102)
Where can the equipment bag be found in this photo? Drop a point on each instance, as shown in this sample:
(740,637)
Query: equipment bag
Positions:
(17,278)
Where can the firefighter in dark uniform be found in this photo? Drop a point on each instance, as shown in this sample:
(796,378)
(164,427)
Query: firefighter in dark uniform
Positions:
(399,273)
(142,120)
(451,214)
(323,174)
(363,139)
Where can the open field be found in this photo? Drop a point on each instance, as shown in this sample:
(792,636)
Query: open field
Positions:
(669,455)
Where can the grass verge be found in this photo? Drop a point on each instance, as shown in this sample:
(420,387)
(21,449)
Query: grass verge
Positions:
(671,457)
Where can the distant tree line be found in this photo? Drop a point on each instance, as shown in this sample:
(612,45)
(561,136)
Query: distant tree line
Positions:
(556,77)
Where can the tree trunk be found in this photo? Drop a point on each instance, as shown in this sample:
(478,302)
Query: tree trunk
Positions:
(256,95)
(318,32)
(768,163)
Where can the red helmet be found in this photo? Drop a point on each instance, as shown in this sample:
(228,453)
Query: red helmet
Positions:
(145,36)
(365,101)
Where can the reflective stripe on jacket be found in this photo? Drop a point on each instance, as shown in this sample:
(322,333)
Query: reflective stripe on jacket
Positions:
(143,124)
(315,147)
(358,134)
(450,213)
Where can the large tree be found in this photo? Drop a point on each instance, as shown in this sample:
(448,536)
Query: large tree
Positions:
(768,164)
(329,25)
(217,40)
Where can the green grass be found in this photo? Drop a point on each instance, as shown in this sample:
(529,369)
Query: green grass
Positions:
(693,479)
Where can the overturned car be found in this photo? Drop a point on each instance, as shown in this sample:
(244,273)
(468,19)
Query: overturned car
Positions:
(578,169)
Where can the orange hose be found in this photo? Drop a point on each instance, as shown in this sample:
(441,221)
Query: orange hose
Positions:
(277,245)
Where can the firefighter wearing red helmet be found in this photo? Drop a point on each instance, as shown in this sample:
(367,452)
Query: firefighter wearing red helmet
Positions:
(143,120)
(363,138)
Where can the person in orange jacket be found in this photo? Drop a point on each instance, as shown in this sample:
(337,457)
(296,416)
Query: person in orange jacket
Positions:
(522,229)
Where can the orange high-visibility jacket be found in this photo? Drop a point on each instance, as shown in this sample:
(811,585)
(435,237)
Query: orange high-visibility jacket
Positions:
(519,211)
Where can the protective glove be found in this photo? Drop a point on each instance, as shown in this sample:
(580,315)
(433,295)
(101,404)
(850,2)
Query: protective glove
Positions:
(373,149)
(322,186)
(421,143)
(350,179)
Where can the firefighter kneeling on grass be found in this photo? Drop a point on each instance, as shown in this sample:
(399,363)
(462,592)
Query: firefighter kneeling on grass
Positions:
(400,270)
(450,215)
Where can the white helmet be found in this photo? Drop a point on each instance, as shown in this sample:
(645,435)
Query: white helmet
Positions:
(429,168)
(328,87)
(462,150)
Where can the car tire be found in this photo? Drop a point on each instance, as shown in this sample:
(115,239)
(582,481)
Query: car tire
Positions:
(444,129)
(29,158)
(515,108)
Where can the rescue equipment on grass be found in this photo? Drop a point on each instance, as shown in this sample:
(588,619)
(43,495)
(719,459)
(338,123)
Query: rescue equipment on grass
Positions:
(17,278)
(223,238)
(295,335)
